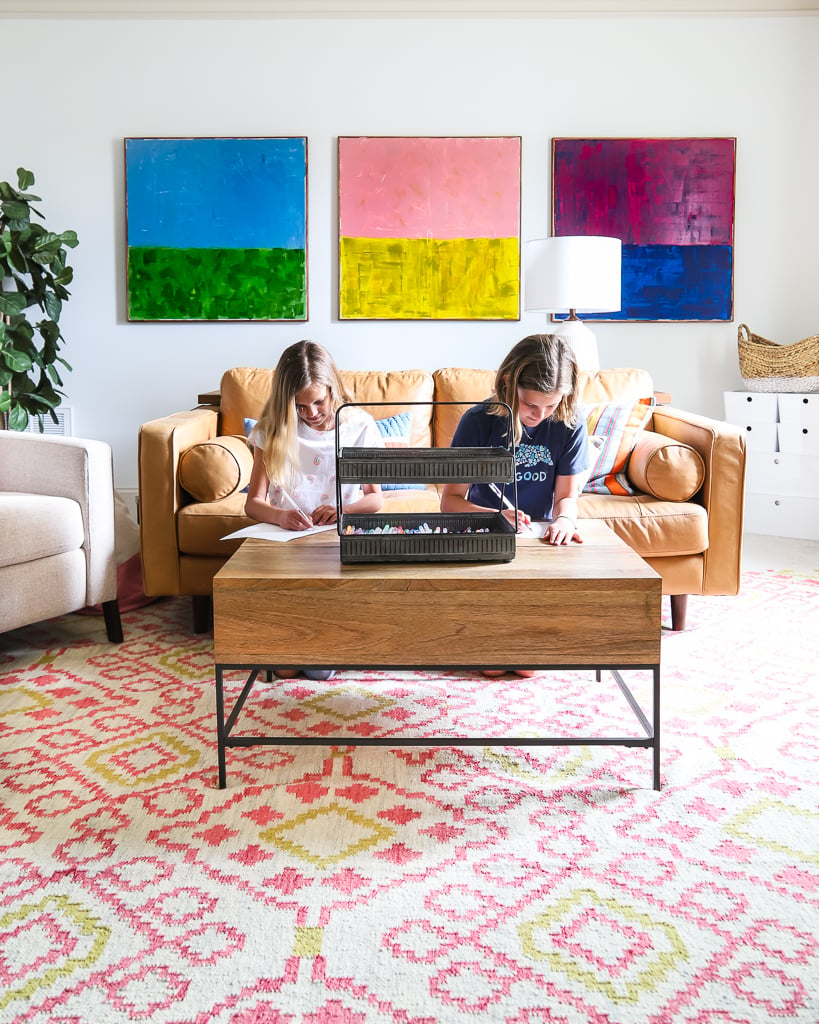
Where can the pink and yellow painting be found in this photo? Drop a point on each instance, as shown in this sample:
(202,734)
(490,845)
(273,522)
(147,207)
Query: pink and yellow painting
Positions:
(429,228)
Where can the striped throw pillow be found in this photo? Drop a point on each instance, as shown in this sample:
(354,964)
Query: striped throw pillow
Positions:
(620,425)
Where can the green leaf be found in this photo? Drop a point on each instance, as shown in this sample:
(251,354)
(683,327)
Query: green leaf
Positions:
(17,418)
(15,210)
(12,303)
(18,261)
(48,240)
(49,331)
(5,400)
(19,362)
(53,306)
(25,179)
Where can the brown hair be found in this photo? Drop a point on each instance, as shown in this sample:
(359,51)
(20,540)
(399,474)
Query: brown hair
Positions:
(540,362)
(303,365)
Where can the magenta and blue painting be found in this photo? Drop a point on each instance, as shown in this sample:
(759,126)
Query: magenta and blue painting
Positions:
(429,228)
(671,202)
(217,228)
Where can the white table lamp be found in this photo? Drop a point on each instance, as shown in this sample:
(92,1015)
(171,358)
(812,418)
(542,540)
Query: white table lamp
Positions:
(568,273)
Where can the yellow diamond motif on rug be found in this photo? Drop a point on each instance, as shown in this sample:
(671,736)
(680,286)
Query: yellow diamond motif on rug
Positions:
(768,822)
(143,759)
(327,835)
(45,943)
(349,703)
(22,700)
(608,946)
(193,663)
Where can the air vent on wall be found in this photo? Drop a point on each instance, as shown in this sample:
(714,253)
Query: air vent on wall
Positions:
(61,428)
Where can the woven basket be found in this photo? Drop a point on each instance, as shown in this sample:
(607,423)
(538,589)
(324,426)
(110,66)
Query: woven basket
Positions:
(766,366)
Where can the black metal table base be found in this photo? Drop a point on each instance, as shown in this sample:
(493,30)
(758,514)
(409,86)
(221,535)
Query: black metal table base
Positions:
(650,740)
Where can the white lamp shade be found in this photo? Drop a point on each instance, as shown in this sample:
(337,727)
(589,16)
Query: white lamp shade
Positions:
(579,272)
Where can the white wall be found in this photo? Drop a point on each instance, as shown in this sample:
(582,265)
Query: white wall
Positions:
(74,89)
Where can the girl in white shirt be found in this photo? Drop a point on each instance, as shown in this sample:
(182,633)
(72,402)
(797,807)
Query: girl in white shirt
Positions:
(293,483)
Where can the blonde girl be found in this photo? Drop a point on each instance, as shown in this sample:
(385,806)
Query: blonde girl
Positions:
(293,483)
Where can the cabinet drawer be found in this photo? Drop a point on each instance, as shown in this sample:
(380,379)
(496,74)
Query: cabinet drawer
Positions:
(743,407)
(798,438)
(785,515)
(799,410)
(777,473)
(759,437)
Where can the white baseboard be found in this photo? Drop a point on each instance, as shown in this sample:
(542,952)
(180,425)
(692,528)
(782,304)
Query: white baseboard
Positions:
(130,495)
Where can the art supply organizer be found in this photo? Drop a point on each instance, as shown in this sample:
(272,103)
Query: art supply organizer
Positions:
(446,537)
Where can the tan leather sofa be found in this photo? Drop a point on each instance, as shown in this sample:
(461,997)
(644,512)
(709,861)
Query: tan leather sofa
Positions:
(194,464)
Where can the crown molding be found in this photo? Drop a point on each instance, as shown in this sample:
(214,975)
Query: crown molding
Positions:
(395,8)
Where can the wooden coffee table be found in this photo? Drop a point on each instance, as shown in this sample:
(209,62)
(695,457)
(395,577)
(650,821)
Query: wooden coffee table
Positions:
(591,605)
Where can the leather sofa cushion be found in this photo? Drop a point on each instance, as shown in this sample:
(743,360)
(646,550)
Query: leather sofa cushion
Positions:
(244,391)
(616,385)
(214,469)
(649,525)
(38,525)
(665,468)
(455,384)
(201,525)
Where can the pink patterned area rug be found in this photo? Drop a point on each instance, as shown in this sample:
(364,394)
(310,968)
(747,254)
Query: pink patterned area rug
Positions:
(435,885)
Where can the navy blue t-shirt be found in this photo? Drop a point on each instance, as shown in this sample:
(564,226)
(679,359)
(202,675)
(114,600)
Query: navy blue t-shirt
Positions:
(550,449)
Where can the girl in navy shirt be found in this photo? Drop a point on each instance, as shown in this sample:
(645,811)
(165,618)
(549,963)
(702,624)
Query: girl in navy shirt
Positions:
(538,381)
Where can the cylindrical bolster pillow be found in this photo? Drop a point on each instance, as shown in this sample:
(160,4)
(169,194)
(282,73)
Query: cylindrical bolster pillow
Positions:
(668,469)
(214,469)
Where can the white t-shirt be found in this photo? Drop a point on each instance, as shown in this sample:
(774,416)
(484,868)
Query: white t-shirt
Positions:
(315,468)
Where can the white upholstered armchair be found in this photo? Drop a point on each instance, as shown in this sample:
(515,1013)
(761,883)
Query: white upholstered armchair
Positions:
(57,550)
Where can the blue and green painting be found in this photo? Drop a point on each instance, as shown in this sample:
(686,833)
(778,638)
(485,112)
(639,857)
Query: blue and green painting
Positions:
(217,228)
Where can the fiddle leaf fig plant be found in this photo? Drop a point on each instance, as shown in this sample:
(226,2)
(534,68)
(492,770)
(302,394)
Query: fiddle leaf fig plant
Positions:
(33,279)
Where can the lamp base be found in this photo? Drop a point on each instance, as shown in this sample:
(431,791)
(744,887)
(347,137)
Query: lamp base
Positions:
(582,341)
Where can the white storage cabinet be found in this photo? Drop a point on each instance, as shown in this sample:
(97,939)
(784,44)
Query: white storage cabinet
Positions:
(782,470)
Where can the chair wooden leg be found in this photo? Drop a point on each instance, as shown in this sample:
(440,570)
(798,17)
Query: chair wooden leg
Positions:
(202,613)
(679,607)
(113,622)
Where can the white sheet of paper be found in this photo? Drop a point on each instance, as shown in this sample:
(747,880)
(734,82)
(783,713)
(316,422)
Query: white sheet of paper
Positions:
(267,531)
(535,530)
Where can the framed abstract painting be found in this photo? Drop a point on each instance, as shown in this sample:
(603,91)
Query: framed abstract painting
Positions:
(671,202)
(216,228)
(429,228)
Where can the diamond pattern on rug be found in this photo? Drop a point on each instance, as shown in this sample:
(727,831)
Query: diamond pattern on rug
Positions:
(358,885)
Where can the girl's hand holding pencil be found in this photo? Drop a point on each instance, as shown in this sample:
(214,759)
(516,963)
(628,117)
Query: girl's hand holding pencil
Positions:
(294,518)
(523,520)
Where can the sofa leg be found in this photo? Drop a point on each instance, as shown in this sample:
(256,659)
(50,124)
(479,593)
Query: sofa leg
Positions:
(202,613)
(679,607)
(113,622)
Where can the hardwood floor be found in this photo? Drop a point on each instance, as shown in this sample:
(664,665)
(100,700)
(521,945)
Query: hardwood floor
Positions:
(779,553)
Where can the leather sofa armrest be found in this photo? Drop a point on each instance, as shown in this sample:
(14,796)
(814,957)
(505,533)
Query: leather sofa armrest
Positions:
(161,444)
(722,447)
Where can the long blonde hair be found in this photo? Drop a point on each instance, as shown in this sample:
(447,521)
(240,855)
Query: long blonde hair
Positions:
(540,362)
(303,365)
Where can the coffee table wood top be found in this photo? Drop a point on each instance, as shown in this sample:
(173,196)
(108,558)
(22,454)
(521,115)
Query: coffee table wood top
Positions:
(596,603)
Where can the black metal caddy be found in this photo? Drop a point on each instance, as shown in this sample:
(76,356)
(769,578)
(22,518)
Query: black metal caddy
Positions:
(428,536)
